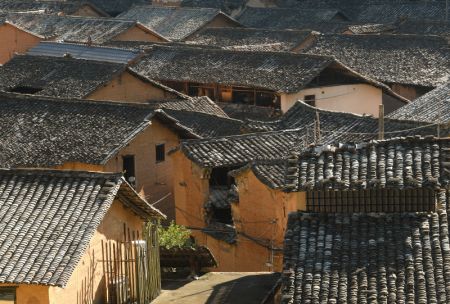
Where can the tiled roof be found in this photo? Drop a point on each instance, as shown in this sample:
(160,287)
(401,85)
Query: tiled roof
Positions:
(342,126)
(433,107)
(421,27)
(115,7)
(83,51)
(227,6)
(249,39)
(175,23)
(200,104)
(277,71)
(48,219)
(396,163)
(391,12)
(46,6)
(404,59)
(244,111)
(372,28)
(286,18)
(59,77)
(199,125)
(47,132)
(234,151)
(70,28)
(366,258)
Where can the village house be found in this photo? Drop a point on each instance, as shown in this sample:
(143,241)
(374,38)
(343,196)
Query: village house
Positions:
(178,23)
(21,31)
(372,224)
(74,8)
(56,227)
(433,107)
(411,65)
(69,77)
(272,79)
(107,137)
(248,39)
(231,209)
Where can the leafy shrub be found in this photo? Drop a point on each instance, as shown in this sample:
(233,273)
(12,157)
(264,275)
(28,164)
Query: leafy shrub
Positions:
(174,236)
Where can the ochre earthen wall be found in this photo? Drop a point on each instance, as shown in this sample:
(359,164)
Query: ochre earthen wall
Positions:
(14,40)
(87,281)
(128,88)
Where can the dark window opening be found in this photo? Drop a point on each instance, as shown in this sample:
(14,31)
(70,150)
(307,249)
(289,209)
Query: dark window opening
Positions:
(25,90)
(266,99)
(311,100)
(129,169)
(222,215)
(220,177)
(160,153)
(243,97)
(8,295)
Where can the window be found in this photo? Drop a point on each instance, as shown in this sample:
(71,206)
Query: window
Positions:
(128,169)
(25,90)
(311,100)
(7,295)
(160,153)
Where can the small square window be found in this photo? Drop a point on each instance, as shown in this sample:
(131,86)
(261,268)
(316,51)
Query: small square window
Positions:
(8,295)
(160,153)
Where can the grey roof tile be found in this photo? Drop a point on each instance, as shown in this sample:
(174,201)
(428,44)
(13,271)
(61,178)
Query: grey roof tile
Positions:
(70,28)
(366,258)
(48,219)
(433,107)
(59,77)
(175,23)
(47,132)
(405,59)
(287,18)
(249,39)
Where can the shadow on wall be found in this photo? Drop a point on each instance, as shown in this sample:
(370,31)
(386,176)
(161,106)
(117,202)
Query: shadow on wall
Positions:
(251,289)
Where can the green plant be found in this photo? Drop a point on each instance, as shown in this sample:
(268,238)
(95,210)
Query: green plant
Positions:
(174,236)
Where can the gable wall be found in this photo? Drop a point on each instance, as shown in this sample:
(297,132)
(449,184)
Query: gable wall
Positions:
(137,34)
(87,11)
(153,180)
(354,98)
(87,280)
(126,87)
(14,40)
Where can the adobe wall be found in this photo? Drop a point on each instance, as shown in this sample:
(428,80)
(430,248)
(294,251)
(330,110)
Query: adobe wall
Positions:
(253,216)
(153,179)
(14,40)
(138,34)
(128,88)
(354,98)
(87,282)
(30,294)
(409,92)
(190,191)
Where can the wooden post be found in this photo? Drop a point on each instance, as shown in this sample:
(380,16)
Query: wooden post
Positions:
(381,122)
(317,136)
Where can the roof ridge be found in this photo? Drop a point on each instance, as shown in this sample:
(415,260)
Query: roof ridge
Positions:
(32,97)
(246,135)
(60,172)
